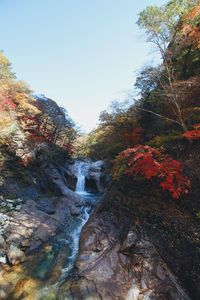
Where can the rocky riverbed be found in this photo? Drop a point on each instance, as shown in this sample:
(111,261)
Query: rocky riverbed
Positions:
(26,226)
(113,266)
(39,242)
(39,238)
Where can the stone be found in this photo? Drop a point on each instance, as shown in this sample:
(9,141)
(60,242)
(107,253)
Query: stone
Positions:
(94,177)
(10,206)
(14,238)
(18,207)
(25,243)
(75,211)
(15,255)
(70,179)
(3,260)
(130,240)
(3,218)
(2,242)
(10,201)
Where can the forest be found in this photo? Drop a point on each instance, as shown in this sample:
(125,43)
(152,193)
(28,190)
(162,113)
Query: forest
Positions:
(150,149)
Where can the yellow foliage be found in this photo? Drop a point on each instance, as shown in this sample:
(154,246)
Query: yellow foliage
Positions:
(5,120)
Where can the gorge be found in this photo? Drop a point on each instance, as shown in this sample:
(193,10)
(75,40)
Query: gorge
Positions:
(49,260)
(112,214)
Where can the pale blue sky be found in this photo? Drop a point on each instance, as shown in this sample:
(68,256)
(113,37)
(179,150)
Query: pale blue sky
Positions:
(81,53)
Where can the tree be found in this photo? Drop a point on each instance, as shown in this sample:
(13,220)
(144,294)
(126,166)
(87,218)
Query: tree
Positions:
(149,163)
(161,27)
(5,69)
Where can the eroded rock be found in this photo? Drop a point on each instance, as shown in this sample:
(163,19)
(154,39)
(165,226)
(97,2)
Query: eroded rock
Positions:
(128,270)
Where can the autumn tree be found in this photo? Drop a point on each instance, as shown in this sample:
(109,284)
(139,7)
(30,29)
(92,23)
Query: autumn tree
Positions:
(161,27)
(149,163)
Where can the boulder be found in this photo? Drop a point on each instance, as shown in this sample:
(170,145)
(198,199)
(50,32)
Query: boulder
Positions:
(15,255)
(70,180)
(75,211)
(94,177)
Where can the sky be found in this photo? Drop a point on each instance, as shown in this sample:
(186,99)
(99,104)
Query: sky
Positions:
(83,54)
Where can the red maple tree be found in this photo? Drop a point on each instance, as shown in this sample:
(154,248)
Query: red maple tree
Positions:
(150,163)
(7,104)
(193,134)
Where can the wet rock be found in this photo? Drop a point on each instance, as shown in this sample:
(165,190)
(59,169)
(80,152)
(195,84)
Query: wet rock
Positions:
(91,185)
(71,180)
(94,177)
(3,260)
(15,255)
(75,211)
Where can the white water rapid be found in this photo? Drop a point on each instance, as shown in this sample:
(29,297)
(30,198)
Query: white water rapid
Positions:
(68,241)
(81,170)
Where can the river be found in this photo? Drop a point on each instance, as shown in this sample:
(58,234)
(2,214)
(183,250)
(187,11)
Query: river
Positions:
(43,273)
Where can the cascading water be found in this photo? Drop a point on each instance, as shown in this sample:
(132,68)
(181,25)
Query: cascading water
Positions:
(82,168)
(70,240)
(52,266)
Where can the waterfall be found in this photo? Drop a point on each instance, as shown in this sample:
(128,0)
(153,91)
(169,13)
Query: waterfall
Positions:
(80,185)
(81,173)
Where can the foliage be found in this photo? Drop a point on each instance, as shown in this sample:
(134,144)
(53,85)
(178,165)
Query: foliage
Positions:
(193,134)
(190,27)
(160,23)
(27,121)
(162,140)
(150,163)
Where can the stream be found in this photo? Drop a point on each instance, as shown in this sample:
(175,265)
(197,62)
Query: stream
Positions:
(45,271)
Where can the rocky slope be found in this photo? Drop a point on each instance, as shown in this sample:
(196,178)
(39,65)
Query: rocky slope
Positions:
(117,261)
(27,223)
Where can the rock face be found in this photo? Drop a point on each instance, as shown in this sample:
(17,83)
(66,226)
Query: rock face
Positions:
(35,223)
(26,224)
(114,266)
(71,180)
(95,178)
